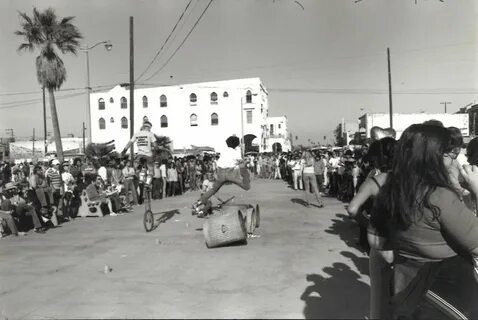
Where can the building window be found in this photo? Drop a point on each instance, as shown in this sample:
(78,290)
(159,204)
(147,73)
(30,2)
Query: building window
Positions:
(249,116)
(145,118)
(248,96)
(112,120)
(145,101)
(262,108)
(102,124)
(225,94)
(272,129)
(124,103)
(278,126)
(112,100)
(213,98)
(193,99)
(193,120)
(214,119)
(164,121)
(163,101)
(101,104)
(124,123)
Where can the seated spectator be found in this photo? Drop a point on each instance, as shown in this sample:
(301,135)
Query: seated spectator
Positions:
(129,174)
(95,192)
(18,206)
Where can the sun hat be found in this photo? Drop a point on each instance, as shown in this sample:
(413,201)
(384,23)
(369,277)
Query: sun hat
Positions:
(55,162)
(9,186)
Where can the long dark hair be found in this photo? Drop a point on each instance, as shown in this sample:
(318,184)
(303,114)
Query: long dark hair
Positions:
(381,153)
(417,170)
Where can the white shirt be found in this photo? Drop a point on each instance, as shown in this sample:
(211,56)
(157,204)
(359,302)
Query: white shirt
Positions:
(144,140)
(162,168)
(229,158)
(334,162)
(67,179)
(103,174)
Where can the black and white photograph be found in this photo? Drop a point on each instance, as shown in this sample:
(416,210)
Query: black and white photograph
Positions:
(239,159)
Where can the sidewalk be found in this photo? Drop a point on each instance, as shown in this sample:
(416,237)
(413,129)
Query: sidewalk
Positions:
(305,264)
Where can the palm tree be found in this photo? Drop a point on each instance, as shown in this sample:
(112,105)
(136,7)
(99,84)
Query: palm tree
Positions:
(45,32)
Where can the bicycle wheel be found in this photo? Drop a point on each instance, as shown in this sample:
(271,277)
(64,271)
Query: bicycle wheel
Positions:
(148,221)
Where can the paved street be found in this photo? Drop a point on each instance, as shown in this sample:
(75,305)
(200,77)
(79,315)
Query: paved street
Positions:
(305,264)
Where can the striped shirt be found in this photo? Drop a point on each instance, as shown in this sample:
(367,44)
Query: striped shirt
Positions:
(55,179)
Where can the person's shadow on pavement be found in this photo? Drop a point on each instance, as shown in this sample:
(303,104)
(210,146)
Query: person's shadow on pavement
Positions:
(347,229)
(167,215)
(299,201)
(341,295)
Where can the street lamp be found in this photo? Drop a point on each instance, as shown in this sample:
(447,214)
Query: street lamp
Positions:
(242,123)
(86,49)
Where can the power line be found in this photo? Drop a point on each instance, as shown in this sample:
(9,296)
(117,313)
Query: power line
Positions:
(182,43)
(165,42)
(60,90)
(30,102)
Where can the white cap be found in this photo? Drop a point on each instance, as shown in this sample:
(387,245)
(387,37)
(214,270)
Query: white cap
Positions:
(55,162)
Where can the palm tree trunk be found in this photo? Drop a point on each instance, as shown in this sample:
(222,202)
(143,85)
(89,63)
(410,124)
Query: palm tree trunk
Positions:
(56,126)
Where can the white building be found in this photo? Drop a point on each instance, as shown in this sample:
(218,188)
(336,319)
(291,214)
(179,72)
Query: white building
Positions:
(402,121)
(198,114)
(279,139)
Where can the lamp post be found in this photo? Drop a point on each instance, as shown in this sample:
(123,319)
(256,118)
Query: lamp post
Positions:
(86,49)
(242,123)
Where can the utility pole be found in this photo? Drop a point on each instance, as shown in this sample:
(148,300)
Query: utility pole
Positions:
(33,145)
(445,103)
(131,83)
(390,88)
(84,137)
(44,122)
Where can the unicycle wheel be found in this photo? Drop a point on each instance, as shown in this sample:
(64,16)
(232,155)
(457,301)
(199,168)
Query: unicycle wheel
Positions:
(148,221)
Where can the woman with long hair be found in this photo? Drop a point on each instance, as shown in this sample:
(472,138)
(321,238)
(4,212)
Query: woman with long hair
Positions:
(380,157)
(419,215)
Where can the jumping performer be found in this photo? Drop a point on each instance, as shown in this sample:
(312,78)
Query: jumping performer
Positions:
(230,169)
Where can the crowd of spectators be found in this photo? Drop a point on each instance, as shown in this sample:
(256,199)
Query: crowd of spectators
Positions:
(43,195)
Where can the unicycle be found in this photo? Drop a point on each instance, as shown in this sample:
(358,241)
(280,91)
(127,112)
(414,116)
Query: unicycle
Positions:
(148,218)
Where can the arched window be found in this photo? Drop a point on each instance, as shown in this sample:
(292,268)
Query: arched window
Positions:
(193,120)
(248,96)
(214,119)
(112,120)
(225,94)
(193,99)
(101,104)
(124,103)
(213,98)
(102,124)
(145,101)
(164,121)
(112,100)
(124,123)
(145,118)
(163,101)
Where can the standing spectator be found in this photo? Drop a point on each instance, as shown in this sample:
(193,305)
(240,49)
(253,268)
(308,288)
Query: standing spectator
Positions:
(179,169)
(129,175)
(277,174)
(172,179)
(56,185)
(192,174)
(307,168)
(68,194)
(319,169)
(297,167)
(164,177)
(157,181)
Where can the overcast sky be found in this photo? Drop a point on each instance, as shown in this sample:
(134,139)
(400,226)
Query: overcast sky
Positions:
(320,64)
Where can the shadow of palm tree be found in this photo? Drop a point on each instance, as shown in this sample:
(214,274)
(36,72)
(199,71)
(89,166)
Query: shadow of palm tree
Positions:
(341,295)
(347,229)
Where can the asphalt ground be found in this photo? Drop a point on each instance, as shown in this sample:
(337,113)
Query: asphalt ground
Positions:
(304,263)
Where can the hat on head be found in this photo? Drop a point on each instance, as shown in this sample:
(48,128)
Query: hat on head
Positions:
(55,162)
(9,186)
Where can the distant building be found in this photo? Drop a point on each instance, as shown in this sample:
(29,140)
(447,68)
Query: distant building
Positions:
(191,115)
(279,136)
(401,121)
